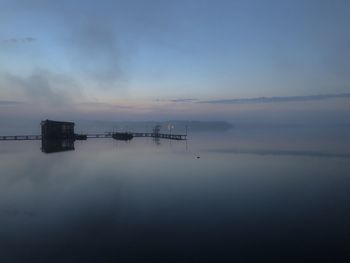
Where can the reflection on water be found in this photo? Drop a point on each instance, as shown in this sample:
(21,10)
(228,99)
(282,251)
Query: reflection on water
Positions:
(52,146)
(273,200)
(156,141)
(282,152)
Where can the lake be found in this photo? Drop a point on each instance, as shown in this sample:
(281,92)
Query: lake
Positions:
(246,195)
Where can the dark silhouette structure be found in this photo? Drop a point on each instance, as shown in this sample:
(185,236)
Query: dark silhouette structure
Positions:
(57,136)
(122,136)
(57,130)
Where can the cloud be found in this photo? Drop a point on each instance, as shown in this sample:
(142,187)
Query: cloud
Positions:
(11,103)
(98,40)
(95,49)
(104,105)
(178,100)
(183,100)
(278,99)
(22,40)
(43,87)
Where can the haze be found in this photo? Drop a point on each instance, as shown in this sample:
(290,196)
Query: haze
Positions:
(247,61)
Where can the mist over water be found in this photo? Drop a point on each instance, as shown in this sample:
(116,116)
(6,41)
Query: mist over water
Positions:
(273,194)
(261,88)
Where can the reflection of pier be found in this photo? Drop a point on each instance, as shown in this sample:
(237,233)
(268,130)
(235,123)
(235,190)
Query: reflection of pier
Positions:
(52,146)
(162,136)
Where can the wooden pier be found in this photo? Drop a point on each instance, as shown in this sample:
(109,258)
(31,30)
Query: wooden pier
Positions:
(20,137)
(100,135)
(143,135)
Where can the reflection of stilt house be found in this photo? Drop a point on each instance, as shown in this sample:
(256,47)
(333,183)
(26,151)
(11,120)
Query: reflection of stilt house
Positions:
(57,130)
(52,146)
(156,131)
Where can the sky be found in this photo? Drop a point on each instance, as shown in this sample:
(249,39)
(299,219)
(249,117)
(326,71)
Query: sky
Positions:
(158,59)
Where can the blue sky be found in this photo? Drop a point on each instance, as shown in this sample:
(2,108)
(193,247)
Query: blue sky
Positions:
(145,59)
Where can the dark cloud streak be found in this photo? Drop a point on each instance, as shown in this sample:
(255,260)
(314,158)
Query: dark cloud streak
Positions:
(11,103)
(182,100)
(278,99)
(23,40)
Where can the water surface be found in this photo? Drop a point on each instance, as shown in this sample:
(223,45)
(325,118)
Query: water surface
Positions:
(252,196)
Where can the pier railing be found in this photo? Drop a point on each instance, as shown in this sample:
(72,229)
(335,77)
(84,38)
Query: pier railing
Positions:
(144,134)
(99,135)
(20,137)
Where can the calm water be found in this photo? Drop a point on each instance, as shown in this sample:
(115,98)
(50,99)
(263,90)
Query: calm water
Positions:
(252,196)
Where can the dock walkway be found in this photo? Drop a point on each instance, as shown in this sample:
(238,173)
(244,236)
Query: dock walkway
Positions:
(144,134)
(20,137)
(100,135)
